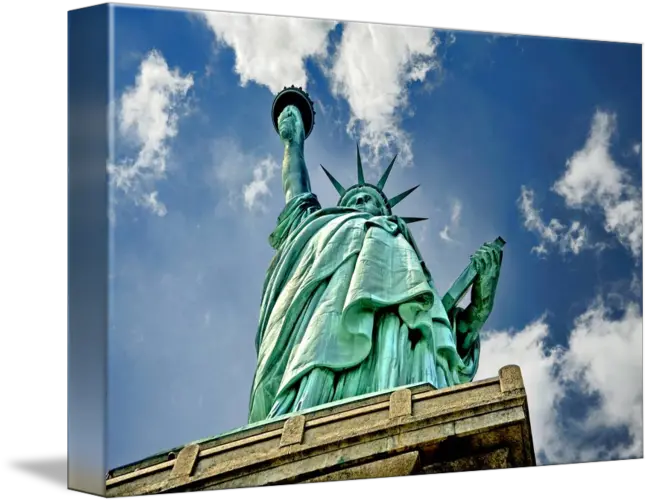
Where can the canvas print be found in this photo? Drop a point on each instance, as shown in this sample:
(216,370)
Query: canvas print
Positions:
(306,211)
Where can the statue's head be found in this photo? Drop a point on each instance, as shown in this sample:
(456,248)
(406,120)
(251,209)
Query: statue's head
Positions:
(370,198)
(365,198)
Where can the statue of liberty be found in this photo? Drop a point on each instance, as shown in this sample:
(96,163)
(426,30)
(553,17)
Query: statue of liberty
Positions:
(348,305)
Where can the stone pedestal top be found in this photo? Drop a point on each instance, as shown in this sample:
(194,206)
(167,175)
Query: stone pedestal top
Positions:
(411,430)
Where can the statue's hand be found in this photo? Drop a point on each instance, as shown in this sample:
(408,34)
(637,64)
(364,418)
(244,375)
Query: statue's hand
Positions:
(488,260)
(290,126)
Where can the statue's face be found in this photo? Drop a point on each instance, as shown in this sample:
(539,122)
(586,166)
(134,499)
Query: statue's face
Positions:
(366,201)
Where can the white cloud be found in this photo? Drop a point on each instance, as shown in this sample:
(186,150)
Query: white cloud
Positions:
(493,37)
(372,68)
(637,148)
(258,187)
(148,115)
(271,50)
(551,234)
(593,180)
(636,284)
(527,349)
(603,359)
(244,176)
(456,212)
(624,218)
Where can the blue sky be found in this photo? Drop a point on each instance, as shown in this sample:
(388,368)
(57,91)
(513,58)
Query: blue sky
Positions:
(537,140)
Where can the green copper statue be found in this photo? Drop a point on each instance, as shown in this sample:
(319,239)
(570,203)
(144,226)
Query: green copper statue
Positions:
(348,305)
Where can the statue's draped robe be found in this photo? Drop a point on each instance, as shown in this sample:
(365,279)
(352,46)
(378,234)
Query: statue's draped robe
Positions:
(348,308)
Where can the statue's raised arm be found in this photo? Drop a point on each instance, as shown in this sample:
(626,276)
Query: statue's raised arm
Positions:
(296,180)
(293,117)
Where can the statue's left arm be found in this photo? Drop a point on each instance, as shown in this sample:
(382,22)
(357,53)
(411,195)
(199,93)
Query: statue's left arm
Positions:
(469,321)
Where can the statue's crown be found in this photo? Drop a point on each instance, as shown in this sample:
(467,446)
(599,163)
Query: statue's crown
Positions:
(389,203)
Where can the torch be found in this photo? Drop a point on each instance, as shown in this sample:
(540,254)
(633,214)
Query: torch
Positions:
(295,96)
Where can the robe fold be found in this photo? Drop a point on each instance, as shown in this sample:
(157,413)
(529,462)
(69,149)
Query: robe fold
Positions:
(349,308)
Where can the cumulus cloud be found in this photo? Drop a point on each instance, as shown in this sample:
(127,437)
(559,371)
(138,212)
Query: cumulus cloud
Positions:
(270,50)
(147,116)
(258,188)
(527,349)
(553,233)
(637,148)
(449,229)
(594,181)
(636,284)
(245,176)
(605,359)
(372,69)
(602,360)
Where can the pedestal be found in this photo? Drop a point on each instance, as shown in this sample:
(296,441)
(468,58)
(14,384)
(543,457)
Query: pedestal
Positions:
(411,430)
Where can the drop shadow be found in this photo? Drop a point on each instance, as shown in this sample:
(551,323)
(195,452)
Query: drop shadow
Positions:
(53,470)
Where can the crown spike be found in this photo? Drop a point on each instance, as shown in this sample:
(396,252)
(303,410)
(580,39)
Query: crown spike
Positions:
(394,201)
(410,220)
(359,167)
(384,178)
(339,188)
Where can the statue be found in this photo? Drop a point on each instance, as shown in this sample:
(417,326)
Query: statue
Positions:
(348,304)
